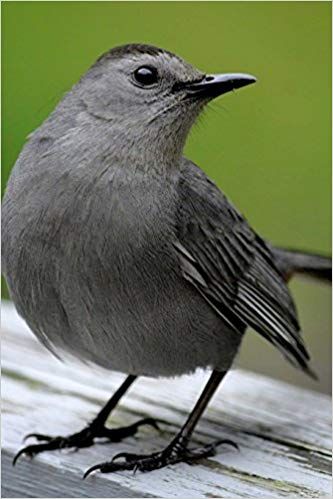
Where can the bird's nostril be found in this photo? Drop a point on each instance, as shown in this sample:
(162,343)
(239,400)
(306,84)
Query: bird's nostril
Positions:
(209,78)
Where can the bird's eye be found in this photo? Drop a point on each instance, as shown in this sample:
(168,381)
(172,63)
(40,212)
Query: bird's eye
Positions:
(146,75)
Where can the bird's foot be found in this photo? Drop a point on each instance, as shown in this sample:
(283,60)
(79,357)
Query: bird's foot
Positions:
(176,452)
(84,438)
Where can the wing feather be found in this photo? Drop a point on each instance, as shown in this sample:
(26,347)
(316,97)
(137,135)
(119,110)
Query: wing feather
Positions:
(232,267)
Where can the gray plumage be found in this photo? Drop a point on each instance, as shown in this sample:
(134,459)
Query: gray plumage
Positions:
(122,252)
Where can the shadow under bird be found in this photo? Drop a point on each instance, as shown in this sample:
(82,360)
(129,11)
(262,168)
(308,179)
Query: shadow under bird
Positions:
(122,252)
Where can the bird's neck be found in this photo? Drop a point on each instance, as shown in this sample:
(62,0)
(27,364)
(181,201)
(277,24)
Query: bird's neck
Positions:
(146,149)
(142,146)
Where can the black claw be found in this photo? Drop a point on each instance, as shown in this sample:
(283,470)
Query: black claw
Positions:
(26,450)
(32,450)
(174,453)
(210,449)
(38,436)
(150,422)
(84,438)
(228,442)
(19,453)
(29,435)
(108,467)
(119,455)
(91,469)
(128,456)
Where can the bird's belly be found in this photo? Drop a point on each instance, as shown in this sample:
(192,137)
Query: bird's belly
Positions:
(151,323)
(164,332)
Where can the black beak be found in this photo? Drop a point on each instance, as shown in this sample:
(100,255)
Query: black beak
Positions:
(214,85)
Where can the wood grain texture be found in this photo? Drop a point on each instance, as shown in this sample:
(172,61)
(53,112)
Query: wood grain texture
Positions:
(284,433)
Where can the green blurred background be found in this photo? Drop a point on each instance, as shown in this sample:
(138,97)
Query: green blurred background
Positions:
(268,146)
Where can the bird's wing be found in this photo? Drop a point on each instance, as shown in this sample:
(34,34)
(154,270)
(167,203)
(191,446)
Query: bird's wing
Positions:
(232,267)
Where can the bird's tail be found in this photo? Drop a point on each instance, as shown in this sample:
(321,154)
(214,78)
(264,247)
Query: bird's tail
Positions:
(291,262)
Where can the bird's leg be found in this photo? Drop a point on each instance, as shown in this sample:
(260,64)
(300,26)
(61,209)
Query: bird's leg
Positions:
(177,451)
(95,429)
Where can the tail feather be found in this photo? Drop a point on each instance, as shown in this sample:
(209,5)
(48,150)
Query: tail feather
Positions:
(291,262)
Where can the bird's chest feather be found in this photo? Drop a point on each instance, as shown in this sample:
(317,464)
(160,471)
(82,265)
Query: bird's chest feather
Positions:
(117,227)
(93,271)
(97,245)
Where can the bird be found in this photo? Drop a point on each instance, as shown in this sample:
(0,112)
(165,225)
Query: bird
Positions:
(120,251)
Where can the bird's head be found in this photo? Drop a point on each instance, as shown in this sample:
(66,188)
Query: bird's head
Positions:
(152,94)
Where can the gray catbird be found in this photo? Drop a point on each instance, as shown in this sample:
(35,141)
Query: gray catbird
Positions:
(119,250)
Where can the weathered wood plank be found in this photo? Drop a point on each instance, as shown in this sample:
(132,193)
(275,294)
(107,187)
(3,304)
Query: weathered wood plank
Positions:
(284,433)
